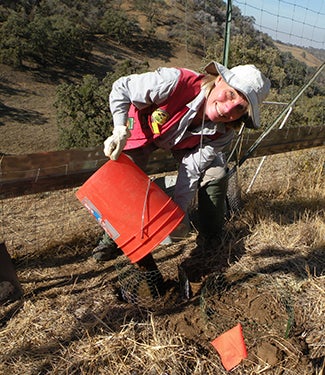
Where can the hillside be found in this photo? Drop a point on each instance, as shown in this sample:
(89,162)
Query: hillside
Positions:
(300,54)
(27,96)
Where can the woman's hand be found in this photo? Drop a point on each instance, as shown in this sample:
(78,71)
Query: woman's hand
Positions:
(114,145)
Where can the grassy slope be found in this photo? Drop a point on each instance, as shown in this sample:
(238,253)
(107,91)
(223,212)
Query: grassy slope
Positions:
(300,54)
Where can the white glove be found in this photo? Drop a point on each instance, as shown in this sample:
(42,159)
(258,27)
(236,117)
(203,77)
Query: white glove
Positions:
(113,146)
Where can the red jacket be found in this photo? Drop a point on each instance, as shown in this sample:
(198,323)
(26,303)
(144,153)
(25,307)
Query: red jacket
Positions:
(148,124)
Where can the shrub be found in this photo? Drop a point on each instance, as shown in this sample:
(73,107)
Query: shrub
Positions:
(115,24)
(82,111)
(45,40)
(13,39)
(83,114)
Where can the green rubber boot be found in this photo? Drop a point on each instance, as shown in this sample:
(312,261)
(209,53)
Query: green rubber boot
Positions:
(211,212)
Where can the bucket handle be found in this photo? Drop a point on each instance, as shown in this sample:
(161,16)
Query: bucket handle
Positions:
(144,207)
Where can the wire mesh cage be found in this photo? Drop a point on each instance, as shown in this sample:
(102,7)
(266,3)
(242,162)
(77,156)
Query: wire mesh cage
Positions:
(150,290)
(234,200)
(137,286)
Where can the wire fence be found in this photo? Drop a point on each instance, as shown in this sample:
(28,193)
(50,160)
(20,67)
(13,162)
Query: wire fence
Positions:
(39,222)
(292,22)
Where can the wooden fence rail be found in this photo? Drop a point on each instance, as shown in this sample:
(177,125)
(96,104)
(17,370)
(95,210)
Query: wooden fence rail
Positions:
(46,171)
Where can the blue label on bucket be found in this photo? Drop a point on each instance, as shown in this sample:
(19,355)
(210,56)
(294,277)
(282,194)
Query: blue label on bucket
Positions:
(105,224)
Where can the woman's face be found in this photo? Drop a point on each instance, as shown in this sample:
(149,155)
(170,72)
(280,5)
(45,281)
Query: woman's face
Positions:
(224,103)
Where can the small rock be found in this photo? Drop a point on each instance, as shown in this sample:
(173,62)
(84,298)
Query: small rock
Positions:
(268,353)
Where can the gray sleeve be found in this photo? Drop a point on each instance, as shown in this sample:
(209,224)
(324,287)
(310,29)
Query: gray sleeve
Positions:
(142,90)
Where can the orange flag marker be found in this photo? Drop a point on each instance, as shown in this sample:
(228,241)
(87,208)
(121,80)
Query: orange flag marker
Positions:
(231,347)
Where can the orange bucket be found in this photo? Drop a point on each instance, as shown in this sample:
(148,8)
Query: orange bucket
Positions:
(130,207)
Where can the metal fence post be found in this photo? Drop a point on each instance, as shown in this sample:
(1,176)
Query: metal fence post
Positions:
(226,45)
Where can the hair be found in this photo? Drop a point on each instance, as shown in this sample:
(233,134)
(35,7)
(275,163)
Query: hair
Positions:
(207,84)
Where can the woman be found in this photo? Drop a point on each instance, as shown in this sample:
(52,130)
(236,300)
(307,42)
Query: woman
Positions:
(194,116)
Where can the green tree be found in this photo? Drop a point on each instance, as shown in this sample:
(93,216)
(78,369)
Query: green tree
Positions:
(115,24)
(83,115)
(56,40)
(47,40)
(14,39)
(82,112)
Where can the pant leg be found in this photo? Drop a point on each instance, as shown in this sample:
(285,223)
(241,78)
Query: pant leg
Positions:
(211,202)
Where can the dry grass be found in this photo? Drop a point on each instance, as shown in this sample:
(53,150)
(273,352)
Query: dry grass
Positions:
(71,321)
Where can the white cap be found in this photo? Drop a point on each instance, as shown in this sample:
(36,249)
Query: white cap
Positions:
(248,80)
